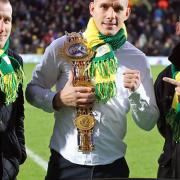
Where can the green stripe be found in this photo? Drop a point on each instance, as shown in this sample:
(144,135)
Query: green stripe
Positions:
(11,76)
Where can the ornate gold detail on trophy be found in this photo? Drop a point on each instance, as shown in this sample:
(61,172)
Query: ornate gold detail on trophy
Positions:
(76,52)
(84,122)
(75,48)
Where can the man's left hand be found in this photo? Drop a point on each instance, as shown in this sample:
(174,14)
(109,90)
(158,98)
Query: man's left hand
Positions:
(131,79)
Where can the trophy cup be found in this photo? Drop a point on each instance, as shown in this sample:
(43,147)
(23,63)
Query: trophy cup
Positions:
(76,52)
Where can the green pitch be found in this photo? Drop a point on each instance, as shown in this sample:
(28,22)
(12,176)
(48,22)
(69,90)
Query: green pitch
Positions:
(142,152)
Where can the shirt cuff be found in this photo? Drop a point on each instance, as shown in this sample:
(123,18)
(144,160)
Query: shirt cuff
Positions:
(48,101)
(138,95)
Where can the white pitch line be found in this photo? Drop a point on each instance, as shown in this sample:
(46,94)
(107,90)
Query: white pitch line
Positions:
(37,159)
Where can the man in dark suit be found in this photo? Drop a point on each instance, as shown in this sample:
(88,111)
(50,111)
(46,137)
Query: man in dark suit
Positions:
(167,91)
(12,143)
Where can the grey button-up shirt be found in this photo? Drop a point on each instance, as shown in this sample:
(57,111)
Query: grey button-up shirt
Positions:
(111,122)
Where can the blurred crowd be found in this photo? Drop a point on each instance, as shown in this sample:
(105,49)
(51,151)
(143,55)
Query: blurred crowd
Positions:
(36,23)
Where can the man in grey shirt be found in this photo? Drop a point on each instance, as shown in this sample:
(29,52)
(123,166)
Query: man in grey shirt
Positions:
(122,79)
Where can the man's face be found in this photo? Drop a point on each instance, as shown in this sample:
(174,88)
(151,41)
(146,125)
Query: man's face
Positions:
(109,15)
(5,22)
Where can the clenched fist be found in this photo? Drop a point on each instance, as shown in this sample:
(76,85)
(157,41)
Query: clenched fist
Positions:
(131,79)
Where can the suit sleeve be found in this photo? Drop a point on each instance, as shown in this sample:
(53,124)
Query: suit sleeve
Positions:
(164,94)
(19,123)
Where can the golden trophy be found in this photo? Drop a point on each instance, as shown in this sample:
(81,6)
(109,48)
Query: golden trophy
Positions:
(76,52)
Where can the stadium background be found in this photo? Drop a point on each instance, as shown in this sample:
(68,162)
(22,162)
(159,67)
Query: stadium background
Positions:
(36,23)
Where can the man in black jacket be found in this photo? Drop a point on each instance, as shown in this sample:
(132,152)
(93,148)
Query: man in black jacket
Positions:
(167,91)
(12,142)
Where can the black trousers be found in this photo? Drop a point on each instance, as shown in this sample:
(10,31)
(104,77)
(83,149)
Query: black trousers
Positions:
(60,168)
(10,169)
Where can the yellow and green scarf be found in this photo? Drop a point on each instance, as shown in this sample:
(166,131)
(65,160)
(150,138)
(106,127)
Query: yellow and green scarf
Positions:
(173,116)
(103,66)
(11,75)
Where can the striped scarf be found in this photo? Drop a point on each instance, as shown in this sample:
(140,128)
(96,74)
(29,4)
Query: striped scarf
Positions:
(103,66)
(11,75)
(173,116)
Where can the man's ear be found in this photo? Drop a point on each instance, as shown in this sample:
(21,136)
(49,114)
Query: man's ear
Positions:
(128,12)
(91,8)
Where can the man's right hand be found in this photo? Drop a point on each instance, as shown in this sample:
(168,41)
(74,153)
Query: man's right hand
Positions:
(74,96)
(173,82)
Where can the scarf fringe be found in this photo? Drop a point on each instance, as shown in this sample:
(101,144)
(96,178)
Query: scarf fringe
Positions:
(105,91)
(10,84)
(105,68)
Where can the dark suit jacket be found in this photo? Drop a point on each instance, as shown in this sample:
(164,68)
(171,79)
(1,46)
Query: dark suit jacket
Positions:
(169,161)
(12,140)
